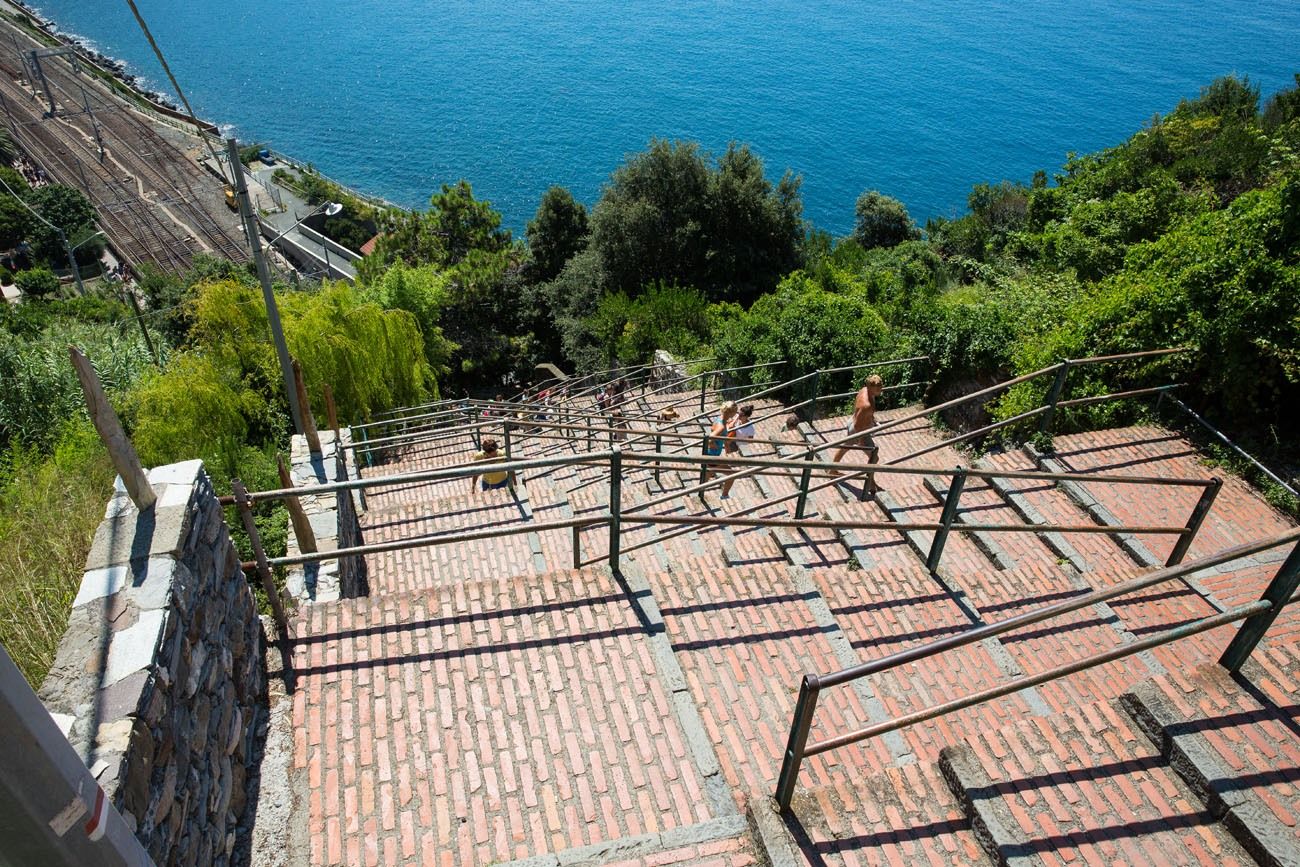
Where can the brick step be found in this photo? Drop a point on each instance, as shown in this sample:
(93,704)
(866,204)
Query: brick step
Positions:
(981,502)
(487,722)
(899,815)
(1045,502)
(907,501)
(1086,784)
(743,638)
(1236,748)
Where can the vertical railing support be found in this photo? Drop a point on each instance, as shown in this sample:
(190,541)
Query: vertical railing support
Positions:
(505,435)
(615,506)
(659,449)
(1279,592)
(816,390)
(1054,395)
(949,515)
(704,384)
(475,432)
(805,478)
(704,468)
(1199,511)
(799,728)
(577,546)
(245,506)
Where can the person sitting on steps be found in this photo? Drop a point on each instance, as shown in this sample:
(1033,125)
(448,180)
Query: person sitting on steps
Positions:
(862,420)
(493,480)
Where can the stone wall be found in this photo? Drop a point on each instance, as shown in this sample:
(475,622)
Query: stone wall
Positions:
(160,680)
(334,522)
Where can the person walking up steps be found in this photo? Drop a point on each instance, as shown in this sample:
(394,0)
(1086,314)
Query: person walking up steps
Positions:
(862,420)
(718,436)
(741,429)
(492,480)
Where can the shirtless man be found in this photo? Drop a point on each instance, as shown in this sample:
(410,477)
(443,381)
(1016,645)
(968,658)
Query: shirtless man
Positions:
(863,419)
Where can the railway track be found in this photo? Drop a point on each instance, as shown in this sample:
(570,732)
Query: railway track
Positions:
(155,205)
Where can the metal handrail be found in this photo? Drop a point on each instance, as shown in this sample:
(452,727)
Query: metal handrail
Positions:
(798,747)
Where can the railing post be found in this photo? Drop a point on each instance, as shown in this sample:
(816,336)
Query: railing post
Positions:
(816,388)
(804,479)
(1054,395)
(245,507)
(704,384)
(1279,592)
(477,434)
(704,468)
(949,515)
(799,727)
(615,506)
(659,449)
(1199,511)
(505,435)
(577,546)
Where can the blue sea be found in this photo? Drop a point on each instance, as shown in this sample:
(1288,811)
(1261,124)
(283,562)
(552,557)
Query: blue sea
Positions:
(918,100)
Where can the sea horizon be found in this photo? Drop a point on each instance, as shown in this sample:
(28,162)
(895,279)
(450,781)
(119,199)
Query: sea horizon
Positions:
(916,104)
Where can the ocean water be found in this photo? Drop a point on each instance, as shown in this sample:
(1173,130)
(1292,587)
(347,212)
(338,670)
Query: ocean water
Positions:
(918,100)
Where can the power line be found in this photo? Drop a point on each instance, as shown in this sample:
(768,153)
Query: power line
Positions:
(176,84)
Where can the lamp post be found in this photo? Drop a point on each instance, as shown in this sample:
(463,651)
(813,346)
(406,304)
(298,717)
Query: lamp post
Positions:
(72,260)
(329,209)
(252,233)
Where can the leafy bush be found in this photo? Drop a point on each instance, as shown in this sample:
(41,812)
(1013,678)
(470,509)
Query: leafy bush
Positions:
(36,282)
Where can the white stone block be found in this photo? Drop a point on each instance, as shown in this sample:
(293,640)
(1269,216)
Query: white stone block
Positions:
(132,649)
(183,473)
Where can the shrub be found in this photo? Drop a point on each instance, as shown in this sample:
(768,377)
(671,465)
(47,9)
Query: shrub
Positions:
(36,282)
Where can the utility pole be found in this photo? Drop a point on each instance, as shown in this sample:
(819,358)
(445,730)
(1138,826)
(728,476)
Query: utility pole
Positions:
(253,233)
(72,261)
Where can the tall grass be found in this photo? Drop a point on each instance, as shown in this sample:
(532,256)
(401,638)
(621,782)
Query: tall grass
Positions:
(49,509)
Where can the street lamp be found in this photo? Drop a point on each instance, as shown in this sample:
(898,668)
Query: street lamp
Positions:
(72,260)
(329,209)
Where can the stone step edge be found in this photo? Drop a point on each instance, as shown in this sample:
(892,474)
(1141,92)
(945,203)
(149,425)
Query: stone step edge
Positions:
(1247,818)
(640,845)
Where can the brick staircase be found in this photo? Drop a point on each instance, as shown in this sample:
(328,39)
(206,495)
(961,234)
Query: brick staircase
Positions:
(489,703)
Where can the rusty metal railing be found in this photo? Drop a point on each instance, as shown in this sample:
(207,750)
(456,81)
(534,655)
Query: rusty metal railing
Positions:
(1259,616)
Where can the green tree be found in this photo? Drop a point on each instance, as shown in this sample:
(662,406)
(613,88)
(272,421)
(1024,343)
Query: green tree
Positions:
(455,224)
(671,214)
(556,233)
(15,220)
(37,282)
(65,208)
(882,221)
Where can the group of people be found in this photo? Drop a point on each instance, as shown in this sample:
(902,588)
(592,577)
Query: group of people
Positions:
(730,429)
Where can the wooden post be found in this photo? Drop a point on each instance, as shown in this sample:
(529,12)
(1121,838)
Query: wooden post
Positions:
(301,526)
(259,554)
(331,411)
(308,421)
(120,450)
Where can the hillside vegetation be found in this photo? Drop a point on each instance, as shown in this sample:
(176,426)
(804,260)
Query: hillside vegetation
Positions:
(1187,234)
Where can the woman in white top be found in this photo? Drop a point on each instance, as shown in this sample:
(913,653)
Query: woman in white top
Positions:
(741,429)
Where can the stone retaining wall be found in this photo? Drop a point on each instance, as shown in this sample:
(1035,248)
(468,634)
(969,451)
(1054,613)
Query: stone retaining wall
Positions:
(159,682)
(334,522)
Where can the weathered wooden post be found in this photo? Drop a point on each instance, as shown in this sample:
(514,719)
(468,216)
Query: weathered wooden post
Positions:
(120,450)
(297,515)
(331,411)
(308,422)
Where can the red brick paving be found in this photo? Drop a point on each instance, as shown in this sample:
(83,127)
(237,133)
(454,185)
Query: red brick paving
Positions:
(1085,785)
(744,638)
(500,713)
(485,722)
